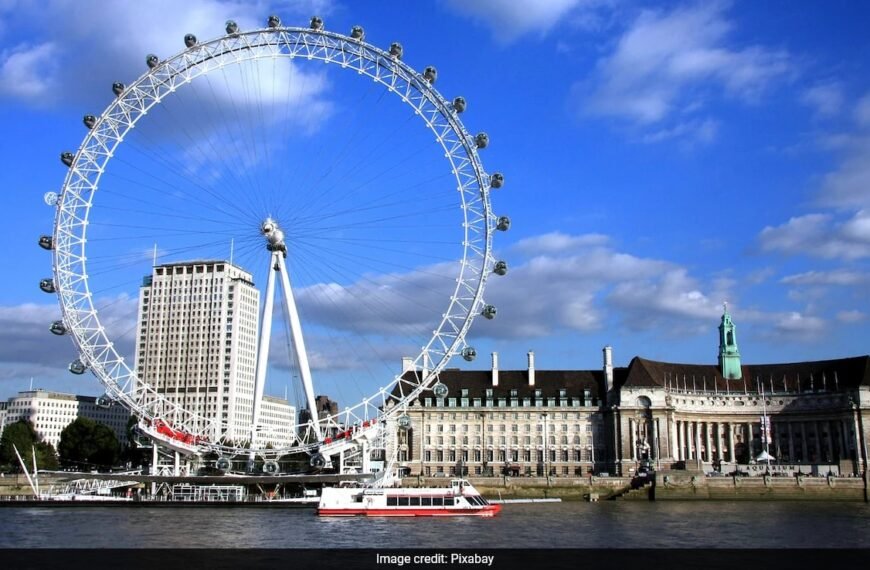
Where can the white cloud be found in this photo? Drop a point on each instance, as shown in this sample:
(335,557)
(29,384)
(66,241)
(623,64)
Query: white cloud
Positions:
(820,235)
(27,348)
(848,185)
(509,19)
(797,326)
(668,64)
(826,99)
(23,71)
(850,317)
(835,277)
(558,242)
(862,111)
(88,44)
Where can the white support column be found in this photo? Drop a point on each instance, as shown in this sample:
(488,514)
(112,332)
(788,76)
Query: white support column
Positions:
(176,467)
(697,426)
(299,344)
(154,459)
(263,351)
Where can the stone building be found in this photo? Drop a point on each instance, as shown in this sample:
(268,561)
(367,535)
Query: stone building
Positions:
(666,415)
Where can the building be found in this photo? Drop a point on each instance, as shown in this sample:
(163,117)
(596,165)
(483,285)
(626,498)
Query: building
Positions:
(706,416)
(51,412)
(277,417)
(196,343)
(528,422)
(684,416)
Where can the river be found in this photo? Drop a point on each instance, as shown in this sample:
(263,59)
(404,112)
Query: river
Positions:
(607,524)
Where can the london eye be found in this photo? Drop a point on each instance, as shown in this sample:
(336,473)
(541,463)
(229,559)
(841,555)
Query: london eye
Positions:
(319,165)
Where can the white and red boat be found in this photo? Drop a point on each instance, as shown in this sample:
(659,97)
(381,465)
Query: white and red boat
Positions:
(459,499)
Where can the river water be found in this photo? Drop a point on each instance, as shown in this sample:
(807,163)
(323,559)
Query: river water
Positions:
(607,524)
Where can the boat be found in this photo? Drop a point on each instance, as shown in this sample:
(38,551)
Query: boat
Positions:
(459,499)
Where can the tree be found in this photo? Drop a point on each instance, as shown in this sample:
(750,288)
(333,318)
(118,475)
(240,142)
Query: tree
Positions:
(85,441)
(23,436)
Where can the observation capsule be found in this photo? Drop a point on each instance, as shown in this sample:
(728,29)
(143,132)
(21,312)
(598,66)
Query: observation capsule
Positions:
(317,461)
(270,467)
(357,33)
(104,402)
(46,242)
(47,285)
(396,50)
(440,390)
(316,23)
(496,180)
(503,224)
(67,158)
(500,268)
(481,140)
(430,74)
(118,88)
(77,367)
(223,464)
(404,421)
(58,328)
(152,61)
(189,40)
(274,22)
(459,104)
(89,121)
(489,311)
(468,353)
(232,28)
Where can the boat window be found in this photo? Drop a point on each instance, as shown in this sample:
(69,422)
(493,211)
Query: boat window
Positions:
(415,501)
(392,501)
(403,501)
(437,501)
(426,501)
(448,501)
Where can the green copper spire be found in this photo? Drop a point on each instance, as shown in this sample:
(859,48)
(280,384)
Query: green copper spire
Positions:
(729,356)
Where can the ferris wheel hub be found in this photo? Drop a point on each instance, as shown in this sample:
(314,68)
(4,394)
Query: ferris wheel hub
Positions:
(273,234)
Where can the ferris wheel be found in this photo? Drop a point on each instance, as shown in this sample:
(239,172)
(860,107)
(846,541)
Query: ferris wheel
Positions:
(342,229)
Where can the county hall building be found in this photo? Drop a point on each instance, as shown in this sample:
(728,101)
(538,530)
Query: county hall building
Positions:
(662,414)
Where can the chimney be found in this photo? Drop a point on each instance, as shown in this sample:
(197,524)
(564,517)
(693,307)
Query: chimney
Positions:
(531,368)
(407,364)
(608,368)
(494,369)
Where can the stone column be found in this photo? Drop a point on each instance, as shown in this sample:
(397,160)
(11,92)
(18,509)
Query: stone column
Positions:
(708,426)
(804,452)
(731,456)
(829,441)
(747,436)
(720,439)
(790,444)
(842,445)
(697,440)
(817,441)
(672,438)
(656,444)
(684,444)
(632,439)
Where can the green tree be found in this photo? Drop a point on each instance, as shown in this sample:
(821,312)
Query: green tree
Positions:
(85,441)
(22,435)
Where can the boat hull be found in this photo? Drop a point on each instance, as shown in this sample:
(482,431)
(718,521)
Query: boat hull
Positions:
(488,511)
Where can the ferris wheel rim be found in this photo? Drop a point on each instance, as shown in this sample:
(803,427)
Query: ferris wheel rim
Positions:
(81,316)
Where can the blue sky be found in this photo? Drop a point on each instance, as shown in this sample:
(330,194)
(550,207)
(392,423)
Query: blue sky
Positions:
(660,159)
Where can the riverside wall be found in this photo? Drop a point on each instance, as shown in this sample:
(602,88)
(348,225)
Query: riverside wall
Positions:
(687,486)
(679,486)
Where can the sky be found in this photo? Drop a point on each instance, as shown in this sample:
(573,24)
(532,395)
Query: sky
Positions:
(660,159)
